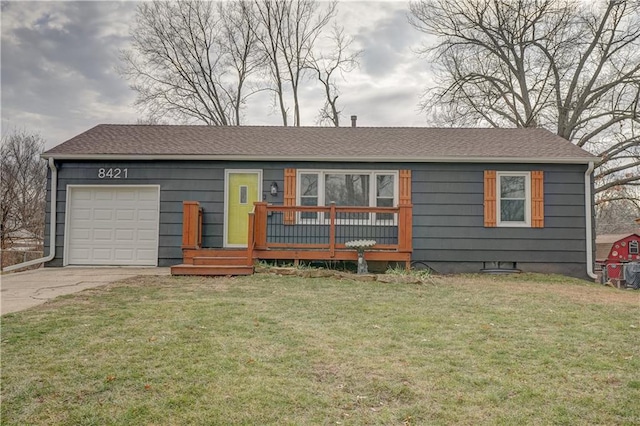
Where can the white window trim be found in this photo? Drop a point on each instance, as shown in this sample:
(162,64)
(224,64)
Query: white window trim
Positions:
(372,192)
(527,202)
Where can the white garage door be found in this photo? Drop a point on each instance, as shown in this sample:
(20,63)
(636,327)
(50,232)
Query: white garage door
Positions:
(110,225)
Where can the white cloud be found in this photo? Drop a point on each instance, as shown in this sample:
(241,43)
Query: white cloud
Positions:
(57,66)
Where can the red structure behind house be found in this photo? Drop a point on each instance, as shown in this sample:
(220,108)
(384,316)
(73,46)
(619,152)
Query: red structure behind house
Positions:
(623,251)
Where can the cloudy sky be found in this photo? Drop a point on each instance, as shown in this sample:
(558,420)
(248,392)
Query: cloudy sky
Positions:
(59,79)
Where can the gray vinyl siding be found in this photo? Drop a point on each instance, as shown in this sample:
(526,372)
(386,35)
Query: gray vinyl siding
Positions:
(448,231)
(448,226)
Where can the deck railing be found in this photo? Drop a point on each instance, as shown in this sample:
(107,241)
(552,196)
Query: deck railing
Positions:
(314,232)
(328,228)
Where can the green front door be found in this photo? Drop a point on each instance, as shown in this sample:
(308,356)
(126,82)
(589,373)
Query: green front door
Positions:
(243,189)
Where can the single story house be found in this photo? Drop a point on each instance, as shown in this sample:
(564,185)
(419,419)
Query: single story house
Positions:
(451,199)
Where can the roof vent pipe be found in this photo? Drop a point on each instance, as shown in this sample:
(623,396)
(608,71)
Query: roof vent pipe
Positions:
(354,118)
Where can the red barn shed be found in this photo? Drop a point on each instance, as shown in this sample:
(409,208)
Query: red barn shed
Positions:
(624,251)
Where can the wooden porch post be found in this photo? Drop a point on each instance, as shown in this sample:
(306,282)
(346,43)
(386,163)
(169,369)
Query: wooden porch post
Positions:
(332,229)
(289,195)
(251,238)
(260,225)
(405,215)
(191,225)
(405,227)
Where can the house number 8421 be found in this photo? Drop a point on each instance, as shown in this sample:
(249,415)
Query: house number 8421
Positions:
(112,173)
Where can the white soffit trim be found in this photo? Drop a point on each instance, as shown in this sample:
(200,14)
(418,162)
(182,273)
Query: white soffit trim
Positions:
(364,159)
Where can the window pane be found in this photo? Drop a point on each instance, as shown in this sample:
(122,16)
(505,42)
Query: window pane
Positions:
(346,190)
(243,194)
(384,186)
(512,186)
(512,210)
(308,184)
(385,202)
(309,201)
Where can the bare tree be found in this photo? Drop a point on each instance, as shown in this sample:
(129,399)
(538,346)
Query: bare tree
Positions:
(239,22)
(339,60)
(618,217)
(23,186)
(570,66)
(271,14)
(290,29)
(190,60)
(195,61)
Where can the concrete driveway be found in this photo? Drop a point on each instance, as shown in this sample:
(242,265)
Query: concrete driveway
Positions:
(22,290)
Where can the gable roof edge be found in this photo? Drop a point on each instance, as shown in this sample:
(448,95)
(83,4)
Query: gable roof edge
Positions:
(364,159)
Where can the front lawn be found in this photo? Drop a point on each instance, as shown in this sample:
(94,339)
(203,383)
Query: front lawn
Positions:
(268,349)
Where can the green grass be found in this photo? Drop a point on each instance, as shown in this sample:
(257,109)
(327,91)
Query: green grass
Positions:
(267,349)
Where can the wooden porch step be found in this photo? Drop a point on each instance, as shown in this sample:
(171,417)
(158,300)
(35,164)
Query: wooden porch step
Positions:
(189,255)
(208,252)
(211,270)
(220,260)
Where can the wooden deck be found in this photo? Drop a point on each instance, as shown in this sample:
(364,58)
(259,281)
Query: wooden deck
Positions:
(297,233)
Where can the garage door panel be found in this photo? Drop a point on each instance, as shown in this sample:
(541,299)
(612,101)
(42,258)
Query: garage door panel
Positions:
(103,214)
(81,214)
(80,195)
(104,195)
(80,254)
(126,195)
(123,254)
(103,234)
(125,235)
(113,225)
(101,255)
(82,226)
(126,214)
(128,224)
(83,234)
(148,215)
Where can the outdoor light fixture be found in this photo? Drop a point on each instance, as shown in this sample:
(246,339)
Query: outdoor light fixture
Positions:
(274,188)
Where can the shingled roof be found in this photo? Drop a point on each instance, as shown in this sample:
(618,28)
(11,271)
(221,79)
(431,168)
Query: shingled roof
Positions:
(112,141)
